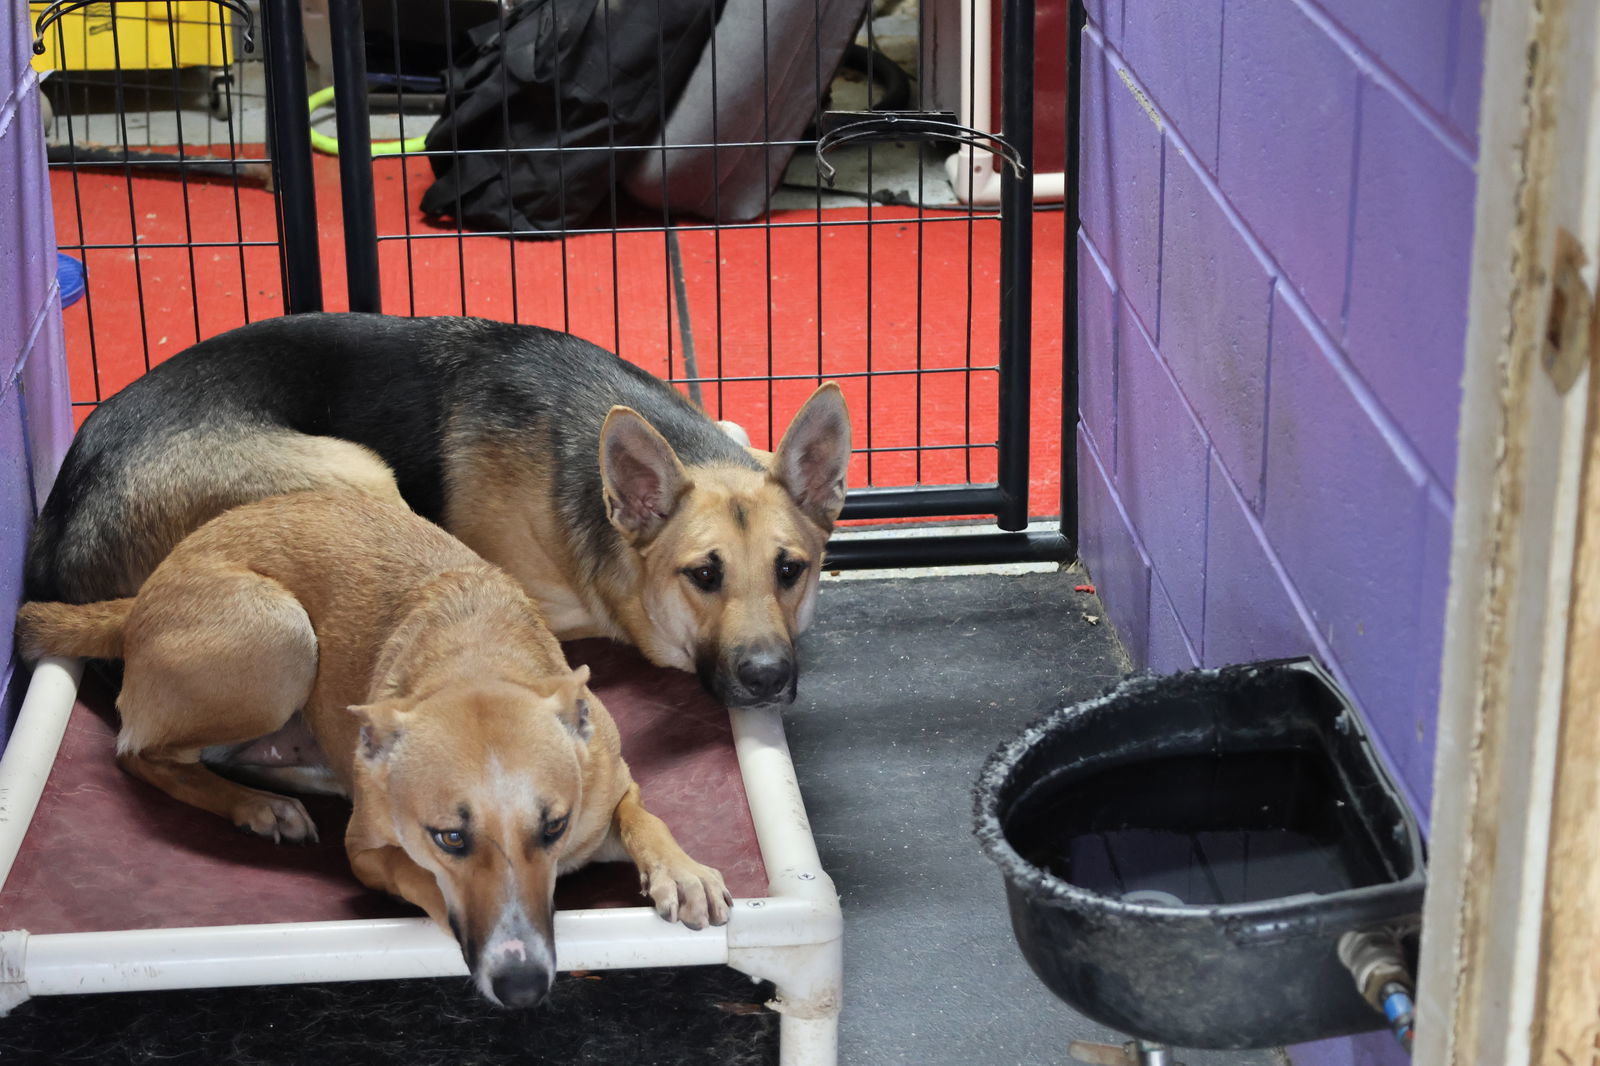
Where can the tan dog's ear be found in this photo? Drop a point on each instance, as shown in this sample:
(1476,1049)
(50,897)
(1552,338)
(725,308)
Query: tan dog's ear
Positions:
(572,700)
(576,716)
(380,729)
(815,454)
(576,698)
(640,474)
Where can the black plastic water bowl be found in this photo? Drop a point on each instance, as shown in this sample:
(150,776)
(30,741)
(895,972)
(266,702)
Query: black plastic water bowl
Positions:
(1182,855)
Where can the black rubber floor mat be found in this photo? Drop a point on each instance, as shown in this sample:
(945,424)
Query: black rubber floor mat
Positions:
(639,1017)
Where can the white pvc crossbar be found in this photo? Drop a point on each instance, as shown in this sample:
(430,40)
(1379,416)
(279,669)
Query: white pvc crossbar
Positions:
(314,952)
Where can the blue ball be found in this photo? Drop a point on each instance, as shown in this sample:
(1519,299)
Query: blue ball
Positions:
(69,276)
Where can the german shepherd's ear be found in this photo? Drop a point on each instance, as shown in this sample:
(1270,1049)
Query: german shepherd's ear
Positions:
(815,454)
(640,475)
(380,729)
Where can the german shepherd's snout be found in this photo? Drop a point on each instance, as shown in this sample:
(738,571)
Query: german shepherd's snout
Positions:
(764,674)
(751,676)
(618,505)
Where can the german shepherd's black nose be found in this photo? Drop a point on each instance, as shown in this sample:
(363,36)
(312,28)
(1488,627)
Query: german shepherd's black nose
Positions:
(523,986)
(750,676)
(764,675)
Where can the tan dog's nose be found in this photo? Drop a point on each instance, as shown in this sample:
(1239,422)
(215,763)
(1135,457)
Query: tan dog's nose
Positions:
(523,986)
(517,964)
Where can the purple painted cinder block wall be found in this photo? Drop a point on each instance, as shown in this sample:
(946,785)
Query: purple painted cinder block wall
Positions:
(35,423)
(1277,212)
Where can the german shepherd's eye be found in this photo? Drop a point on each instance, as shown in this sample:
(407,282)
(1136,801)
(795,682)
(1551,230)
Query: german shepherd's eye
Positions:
(451,841)
(553,830)
(789,570)
(707,577)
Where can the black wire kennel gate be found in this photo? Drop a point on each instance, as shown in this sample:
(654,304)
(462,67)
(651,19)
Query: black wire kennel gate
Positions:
(363,35)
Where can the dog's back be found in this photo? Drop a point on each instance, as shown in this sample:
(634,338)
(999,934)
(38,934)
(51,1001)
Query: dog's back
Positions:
(353,562)
(218,425)
(305,401)
(545,454)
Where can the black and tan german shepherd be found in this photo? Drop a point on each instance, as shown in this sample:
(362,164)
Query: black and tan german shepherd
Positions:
(615,501)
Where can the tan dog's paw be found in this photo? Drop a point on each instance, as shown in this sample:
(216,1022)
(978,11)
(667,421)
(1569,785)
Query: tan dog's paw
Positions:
(280,818)
(688,892)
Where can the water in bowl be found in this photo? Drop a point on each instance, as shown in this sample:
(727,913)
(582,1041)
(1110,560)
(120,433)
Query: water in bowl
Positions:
(1207,829)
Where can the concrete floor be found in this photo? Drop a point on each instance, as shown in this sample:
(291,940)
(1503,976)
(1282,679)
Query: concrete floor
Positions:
(909,685)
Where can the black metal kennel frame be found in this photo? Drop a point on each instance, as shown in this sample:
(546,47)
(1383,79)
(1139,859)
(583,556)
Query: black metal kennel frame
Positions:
(280,37)
(210,146)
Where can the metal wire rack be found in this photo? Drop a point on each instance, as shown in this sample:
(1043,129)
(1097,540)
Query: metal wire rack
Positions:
(686,223)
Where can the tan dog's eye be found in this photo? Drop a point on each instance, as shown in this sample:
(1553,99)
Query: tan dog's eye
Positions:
(553,830)
(453,841)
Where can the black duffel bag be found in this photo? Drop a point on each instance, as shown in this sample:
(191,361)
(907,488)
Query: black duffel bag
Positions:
(549,79)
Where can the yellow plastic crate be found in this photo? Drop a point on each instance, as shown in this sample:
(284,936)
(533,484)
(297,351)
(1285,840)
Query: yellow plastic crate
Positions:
(155,35)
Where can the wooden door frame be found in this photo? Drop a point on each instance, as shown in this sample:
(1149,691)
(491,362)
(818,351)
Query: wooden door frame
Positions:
(1510,966)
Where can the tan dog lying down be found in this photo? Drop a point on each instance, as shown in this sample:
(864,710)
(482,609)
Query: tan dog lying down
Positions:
(478,764)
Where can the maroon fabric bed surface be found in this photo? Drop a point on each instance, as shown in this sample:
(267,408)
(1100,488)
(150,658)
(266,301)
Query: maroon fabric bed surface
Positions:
(108,852)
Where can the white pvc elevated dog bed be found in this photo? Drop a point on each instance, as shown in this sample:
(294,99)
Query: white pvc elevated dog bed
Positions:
(108,886)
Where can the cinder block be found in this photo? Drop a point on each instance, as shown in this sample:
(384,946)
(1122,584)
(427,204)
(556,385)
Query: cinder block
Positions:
(1106,16)
(46,401)
(1161,473)
(1097,353)
(1169,650)
(1411,39)
(1111,554)
(1466,75)
(1249,614)
(1175,47)
(1411,731)
(16,511)
(27,240)
(1216,295)
(1410,274)
(1287,142)
(1121,190)
(1344,513)
(1363,1049)
(16,51)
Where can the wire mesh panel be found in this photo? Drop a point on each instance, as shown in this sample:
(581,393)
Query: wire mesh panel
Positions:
(647,176)
(162,187)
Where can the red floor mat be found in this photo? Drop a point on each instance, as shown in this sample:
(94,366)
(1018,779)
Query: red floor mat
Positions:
(790,302)
(106,851)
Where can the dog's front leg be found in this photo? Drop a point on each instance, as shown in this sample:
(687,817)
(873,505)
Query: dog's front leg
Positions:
(683,890)
(389,869)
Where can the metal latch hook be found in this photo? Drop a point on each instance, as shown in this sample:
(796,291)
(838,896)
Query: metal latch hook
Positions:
(910,126)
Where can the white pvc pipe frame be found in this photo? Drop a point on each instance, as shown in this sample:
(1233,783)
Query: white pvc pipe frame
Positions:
(791,937)
(975,172)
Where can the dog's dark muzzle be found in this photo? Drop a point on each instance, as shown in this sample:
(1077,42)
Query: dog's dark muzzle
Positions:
(752,677)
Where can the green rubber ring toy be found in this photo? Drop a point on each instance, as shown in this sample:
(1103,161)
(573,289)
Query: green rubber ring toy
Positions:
(330,145)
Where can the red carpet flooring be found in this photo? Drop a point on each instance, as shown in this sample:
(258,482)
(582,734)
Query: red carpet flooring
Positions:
(840,299)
